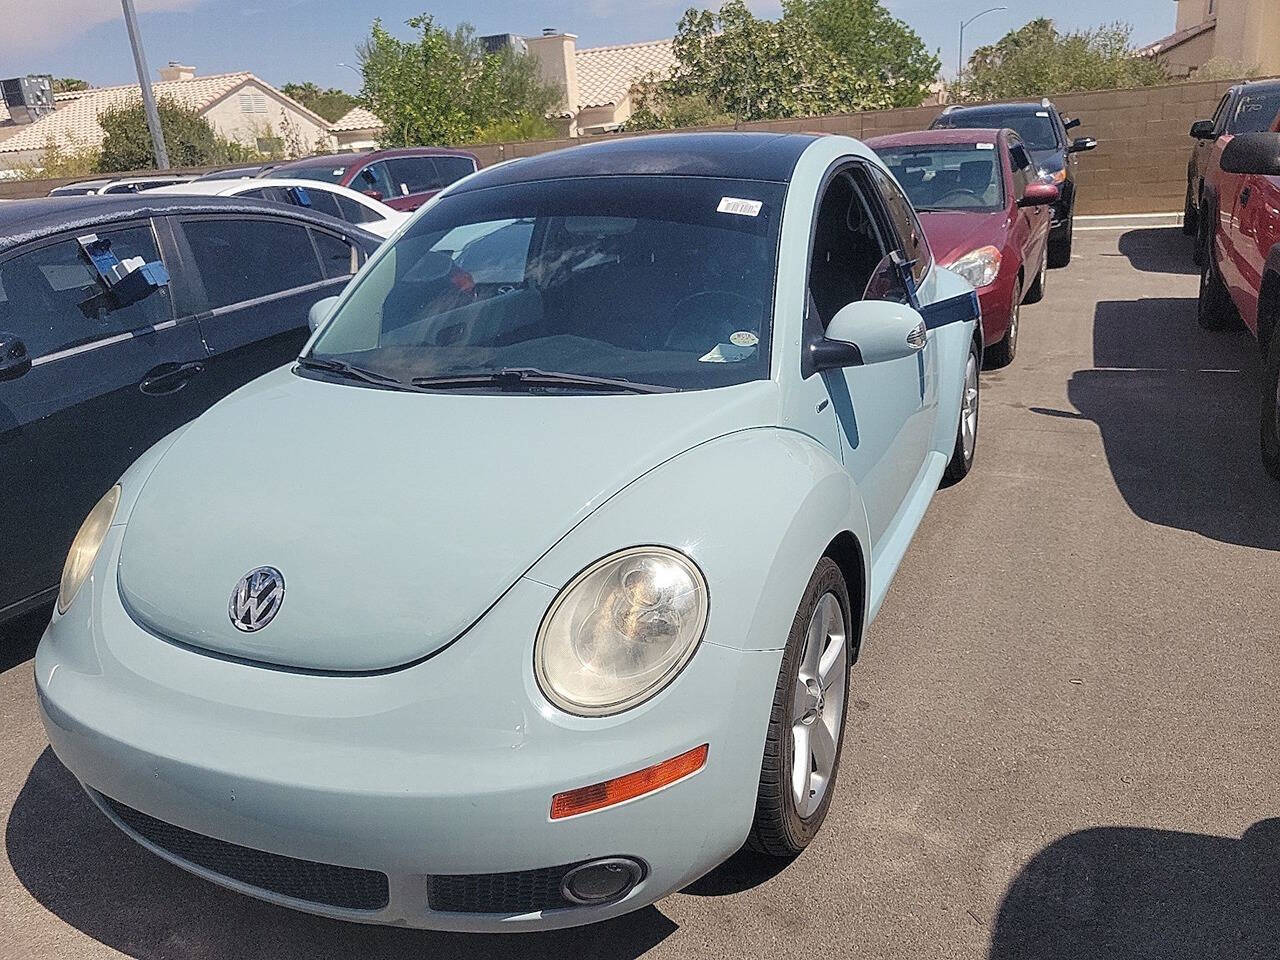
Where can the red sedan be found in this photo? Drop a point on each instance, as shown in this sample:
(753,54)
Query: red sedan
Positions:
(986,215)
(403,178)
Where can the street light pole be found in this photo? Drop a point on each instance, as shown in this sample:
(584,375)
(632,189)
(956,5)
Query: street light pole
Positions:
(963,24)
(144,81)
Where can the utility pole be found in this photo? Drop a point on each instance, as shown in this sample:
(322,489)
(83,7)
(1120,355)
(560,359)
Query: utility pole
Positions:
(144,81)
(963,24)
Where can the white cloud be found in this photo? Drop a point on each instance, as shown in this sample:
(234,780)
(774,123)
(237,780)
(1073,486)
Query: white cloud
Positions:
(32,26)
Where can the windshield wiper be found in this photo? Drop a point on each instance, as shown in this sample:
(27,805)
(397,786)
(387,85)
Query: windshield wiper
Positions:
(517,377)
(352,372)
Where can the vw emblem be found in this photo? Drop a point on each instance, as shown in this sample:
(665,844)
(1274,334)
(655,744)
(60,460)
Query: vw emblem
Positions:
(256,599)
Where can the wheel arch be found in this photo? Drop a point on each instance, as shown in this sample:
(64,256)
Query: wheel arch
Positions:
(1269,300)
(846,551)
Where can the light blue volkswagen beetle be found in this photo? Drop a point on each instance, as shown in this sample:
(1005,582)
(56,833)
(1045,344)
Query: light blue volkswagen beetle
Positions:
(529,594)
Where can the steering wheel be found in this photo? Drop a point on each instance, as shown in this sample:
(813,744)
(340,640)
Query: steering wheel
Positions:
(960,193)
(709,317)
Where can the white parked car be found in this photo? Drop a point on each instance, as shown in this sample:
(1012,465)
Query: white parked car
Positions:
(109,185)
(330,198)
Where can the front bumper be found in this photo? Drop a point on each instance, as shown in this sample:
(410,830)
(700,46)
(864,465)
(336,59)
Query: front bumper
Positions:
(442,769)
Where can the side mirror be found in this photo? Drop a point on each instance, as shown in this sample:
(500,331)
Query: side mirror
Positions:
(1070,124)
(869,331)
(1040,195)
(319,312)
(14,359)
(1082,144)
(1253,153)
(1203,130)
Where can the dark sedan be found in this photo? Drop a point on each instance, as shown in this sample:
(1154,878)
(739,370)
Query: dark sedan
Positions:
(1044,132)
(122,318)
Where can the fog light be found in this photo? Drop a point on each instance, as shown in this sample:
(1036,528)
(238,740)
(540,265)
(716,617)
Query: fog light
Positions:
(601,881)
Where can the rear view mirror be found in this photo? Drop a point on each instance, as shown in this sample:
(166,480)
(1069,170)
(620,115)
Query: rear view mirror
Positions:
(869,331)
(14,359)
(1203,130)
(1082,144)
(319,312)
(1255,153)
(1040,195)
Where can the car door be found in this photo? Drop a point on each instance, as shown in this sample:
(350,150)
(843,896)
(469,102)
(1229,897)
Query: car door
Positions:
(251,284)
(107,380)
(879,405)
(1032,223)
(1259,218)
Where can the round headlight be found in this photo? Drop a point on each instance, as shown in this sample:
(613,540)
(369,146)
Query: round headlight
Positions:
(84,548)
(620,631)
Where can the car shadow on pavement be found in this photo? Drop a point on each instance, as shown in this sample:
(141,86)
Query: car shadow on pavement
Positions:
(1117,893)
(89,874)
(1178,410)
(1159,250)
(19,637)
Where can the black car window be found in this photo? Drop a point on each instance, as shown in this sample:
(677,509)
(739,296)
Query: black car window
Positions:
(338,257)
(354,212)
(321,201)
(326,172)
(849,255)
(453,168)
(51,297)
(262,193)
(412,175)
(1255,113)
(244,259)
(1023,169)
(1220,114)
(1037,128)
(911,236)
(948,176)
(374,179)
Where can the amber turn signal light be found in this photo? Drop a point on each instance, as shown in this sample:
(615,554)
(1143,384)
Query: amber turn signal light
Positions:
(627,787)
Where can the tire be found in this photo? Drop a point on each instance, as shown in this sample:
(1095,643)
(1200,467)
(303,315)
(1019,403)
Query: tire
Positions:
(1190,214)
(1036,293)
(1203,221)
(1001,354)
(1270,409)
(785,823)
(965,449)
(1060,246)
(1214,309)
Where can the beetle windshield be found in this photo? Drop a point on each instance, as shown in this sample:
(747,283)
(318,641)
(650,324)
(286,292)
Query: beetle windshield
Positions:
(651,280)
(952,177)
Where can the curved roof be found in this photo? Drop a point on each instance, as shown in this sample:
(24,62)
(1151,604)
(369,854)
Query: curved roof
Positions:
(730,155)
(25,220)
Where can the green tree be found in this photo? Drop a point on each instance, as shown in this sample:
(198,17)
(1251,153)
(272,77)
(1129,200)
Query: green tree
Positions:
(189,138)
(442,87)
(69,84)
(62,160)
(820,56)
(332,104)
(1037,59)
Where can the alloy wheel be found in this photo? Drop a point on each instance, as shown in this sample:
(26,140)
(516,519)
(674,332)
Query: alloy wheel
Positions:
(817,705)
(969,408)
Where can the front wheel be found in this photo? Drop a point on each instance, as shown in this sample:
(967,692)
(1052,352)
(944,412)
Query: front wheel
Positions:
(1190,214)
(1271,409)
(967,432)
(1214,308)
(806,725)
(1001,354)
(1060,246)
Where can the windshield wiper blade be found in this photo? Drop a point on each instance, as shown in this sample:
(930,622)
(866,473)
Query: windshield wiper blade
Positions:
(515,377)
(344,369)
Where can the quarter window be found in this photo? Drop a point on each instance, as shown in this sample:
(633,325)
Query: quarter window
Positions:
(355,212)
(911,238)
(53,300)
(453,168)
(244,259)
(338,257)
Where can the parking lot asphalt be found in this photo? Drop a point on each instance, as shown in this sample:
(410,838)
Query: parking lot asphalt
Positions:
(1061,743)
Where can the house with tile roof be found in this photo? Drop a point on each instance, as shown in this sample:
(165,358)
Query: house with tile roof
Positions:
(1246,32)
(598,82)
(357,129)
(239,106)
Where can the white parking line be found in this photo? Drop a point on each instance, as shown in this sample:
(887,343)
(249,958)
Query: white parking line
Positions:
(1129,216)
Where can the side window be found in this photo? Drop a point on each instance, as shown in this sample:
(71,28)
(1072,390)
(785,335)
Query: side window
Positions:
(1220,115)
(321,201)
(453,168)
(1022,172)
(913,244)
(51,298)
(262,193)
(412,175)
(374,179)
(354,212)
(848,259)
(244,259)
(338,257)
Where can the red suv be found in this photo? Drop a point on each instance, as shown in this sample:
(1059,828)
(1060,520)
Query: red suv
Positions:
(404,178)
(1240,263)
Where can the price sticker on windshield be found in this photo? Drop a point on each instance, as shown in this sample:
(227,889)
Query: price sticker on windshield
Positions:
(742,208)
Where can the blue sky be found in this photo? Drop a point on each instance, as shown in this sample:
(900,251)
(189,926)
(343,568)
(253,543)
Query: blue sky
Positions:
(283,40)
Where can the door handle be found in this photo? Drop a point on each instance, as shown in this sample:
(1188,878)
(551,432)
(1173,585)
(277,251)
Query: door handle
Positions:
(1245,194)
(169,377)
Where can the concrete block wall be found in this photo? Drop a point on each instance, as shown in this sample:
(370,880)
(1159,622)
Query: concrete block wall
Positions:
(1140,165)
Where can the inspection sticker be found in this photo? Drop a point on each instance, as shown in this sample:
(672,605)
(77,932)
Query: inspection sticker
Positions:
(743,338)
(743,208)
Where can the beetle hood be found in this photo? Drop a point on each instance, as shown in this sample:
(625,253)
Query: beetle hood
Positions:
(395,519)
